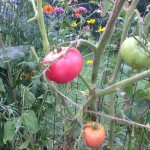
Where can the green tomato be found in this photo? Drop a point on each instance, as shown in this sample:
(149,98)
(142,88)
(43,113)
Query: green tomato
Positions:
(134,55)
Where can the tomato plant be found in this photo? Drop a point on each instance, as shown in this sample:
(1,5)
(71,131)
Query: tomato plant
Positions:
(134,54)
(93,134)
(65,68)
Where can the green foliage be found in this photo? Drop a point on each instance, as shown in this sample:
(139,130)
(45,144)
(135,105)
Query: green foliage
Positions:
(11,128)
(28,97)
(30,115)
(24,145)
(29,120)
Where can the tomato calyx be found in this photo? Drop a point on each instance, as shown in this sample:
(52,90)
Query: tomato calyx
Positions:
(94,126)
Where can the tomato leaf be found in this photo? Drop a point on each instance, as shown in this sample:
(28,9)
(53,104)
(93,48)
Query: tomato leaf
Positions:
(29,120)
(143,94)
(126,69)
(107,5)
(129,90)
(10,129)
(24,145)
(29,97)
(142,106)
(36,83)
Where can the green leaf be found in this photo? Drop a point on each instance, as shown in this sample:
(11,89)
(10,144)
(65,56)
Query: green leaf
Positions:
(142,106)
(126,69)
(143,94)
(29,97)
(129,90)
(24,145)
(107,6)
(29,120)
(10,129)
(2,89)
(36,83)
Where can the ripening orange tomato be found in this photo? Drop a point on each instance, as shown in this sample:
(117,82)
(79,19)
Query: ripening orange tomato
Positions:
(93,134)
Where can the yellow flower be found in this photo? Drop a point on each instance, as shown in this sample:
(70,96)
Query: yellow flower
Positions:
(89,62)
(74,24)
(91,21)
(101,29)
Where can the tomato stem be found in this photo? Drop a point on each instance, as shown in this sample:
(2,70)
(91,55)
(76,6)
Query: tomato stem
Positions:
(78,42)
(128,19)
(39,17)
(86,83)
(140,21)
(141,44)
(123,83)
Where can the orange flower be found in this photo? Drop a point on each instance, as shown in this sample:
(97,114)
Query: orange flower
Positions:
(78,15)
(48,9)
(25,76)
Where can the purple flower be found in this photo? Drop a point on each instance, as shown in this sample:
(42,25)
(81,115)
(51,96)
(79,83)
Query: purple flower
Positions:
(58,10)
(81,10)
(14,2)
(7,14)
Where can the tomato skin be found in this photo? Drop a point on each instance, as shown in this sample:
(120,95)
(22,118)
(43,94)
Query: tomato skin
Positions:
(65,68)
(93,137)
(134,55)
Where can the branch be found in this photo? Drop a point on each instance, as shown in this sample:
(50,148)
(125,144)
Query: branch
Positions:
(79,41)
(119,119)
(41,23)
(123,83)
(86,83)
(35,11)
(128,20)
(105,38)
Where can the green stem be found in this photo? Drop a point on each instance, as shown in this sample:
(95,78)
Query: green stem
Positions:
(140,21)
(112,122)
(44,98)
(35,55)
(59,98)
(80,41)
(35,11)
(121,84)
(113,88)
(90,100)
(110,27)
(86,83)
(128,19)
(41,23)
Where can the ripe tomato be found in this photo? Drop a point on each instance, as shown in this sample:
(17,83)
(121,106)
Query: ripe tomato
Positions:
(65,68)
(93,134)
(134,55)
